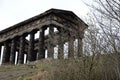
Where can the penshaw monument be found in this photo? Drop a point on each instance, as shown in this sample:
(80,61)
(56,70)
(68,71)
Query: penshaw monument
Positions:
(61,25)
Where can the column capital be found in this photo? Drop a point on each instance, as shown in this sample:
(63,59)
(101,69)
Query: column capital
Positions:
(80,35)
(33,32)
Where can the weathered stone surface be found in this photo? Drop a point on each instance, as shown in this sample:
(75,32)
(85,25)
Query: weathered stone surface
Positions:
(31,46)
(50,46)
(80,49)
(61,45)
(21,49)
(41,50)
(13,51)
(0,50)
(70,46)
(6,53)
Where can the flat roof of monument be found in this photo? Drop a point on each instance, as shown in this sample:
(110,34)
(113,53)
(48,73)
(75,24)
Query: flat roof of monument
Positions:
(52,10)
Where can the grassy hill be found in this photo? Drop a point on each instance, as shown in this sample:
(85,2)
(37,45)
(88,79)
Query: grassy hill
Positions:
(85,68)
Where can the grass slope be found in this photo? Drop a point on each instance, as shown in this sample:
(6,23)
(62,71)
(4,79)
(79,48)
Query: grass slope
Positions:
(85,68)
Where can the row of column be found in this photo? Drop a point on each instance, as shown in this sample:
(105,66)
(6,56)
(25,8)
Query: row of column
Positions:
(19,44)
(50,46)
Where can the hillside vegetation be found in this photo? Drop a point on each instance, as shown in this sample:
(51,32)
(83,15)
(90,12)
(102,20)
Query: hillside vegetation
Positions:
(105,67)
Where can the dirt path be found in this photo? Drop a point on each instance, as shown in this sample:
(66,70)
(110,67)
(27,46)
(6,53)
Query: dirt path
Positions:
(12,74)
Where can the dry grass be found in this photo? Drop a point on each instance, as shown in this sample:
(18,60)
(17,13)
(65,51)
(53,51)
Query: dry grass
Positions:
(39,75)
(86,68)
(105,67)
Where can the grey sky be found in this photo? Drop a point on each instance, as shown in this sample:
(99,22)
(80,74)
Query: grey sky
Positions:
(15,11)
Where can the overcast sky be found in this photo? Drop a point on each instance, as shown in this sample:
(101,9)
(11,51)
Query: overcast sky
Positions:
(15,11)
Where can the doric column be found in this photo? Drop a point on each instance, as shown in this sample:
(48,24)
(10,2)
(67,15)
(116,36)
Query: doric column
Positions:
(60,45)
(50,46)
(6,53)
(41,50)
(0,50)
(79,36)
(35,55)
(13,51)
(31,46)
(70,47)
(61,51)
(21,49)
(80,47)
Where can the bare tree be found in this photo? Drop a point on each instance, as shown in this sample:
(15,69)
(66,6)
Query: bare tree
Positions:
(103,34)
(106,15)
